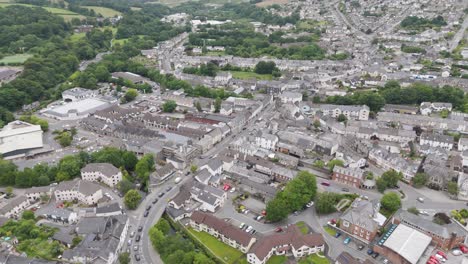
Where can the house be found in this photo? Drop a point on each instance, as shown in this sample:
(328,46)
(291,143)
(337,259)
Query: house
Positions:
(438,176)
(222,230)
(290,97)
(427,108)
(83,191)
(290,242)
(265,140)
(362,220)
(163,173)
(17,138)
(35,193)
(446,236)
(353,177)
(359,112)
(211,198)
(223,77)
(393,161)
(102,172)
(436,140)
(462,144)
(62,215)
(77,93)
(401,109)
(214,166)
(14,207)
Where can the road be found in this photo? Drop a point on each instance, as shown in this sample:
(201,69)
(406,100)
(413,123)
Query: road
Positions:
(459,35)
(98,58)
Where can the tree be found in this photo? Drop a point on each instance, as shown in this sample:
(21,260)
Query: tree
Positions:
(391,202)
(319,164)
(132,199)
(130,95)
(28,215)
(419,180)
(264,67)
(391,177)
(413,210)
(316,124)
(277,209)
(325,203)
(169,106)
(342,118)
(217,105)
(124,186)
(9,191)
(156,238)
(452,188)
(381,185)
(130,160)
(163,226)
(124,258)
(193,168)
(336,162)
(76,240)
(198,106)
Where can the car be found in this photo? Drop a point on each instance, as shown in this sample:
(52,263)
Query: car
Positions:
(430,261)
(246,211)
(385,261)
(440,258)
(325,184)
(255,217)
(375,255)
(168,188)
(129,242)
(260,217)
(456,252)
(161,194)
(148,207)
(132,234)
(360,247)
(296,212)
(345,189)
(347,240)
(155,200)
(420,199)
(463,249)
(249,229)
(338,234)
(232,190)
(442,254)
(423,212)
(242,225)
(177,180)
(253,231)
(434,259)
(370,251)
(135,248)
(140,228)
(310,204)
(137,239)
(278,229)
(137,257)
(146,214)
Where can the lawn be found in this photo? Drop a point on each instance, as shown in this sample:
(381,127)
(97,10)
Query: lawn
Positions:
(221,250)
(277,260)
(330,230)
(66,14)
(303,227)
(104,11)
(15,59)
(77,36)
(314,259)
(249,75)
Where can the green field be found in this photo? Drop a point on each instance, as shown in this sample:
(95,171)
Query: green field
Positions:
(77,36)
(18,58)
(66,14)
(303,227)
(277,260)
(330,231)
(222,251)
(104,11)
(314,259)
(250,75)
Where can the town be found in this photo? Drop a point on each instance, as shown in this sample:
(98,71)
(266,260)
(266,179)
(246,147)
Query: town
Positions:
(261,132)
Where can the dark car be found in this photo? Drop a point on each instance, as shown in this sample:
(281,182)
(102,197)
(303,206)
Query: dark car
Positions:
(168,188)
(146,214)
(360,247)
(140,228)
(148,208)
(137,239)
(338,234)
(137,257)
(375,255)
(345,189)
(370,251)
(161,194)
(155,200)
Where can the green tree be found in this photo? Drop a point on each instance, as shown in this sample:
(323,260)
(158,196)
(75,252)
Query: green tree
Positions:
(391,202)
(277,209)
(130,160)
(319,164)
(265,67)
(169,106)
(76,240)
(28,215)
(452,188)
(124,258)
(413,210)
(193,168)
(217,105)
(132,199)
(198,106)
(9,191)
(381,185)
(124,186)
(163,226)
(342,118)
(336,162)
(130,95)
(419,180)
(325,203)
(391,177)
(157,238)
(316,124)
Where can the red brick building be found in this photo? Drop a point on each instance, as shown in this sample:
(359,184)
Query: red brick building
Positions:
(350,176)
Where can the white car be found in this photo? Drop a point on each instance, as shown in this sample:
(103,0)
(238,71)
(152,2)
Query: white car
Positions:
(439,257)
(249,229)
(232,190)
(457,252)
(242,225)
(310,204)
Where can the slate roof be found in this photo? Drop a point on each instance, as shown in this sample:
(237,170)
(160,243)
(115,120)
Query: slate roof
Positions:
(106,169)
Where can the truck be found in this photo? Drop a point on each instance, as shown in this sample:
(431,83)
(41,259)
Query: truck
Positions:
(177,180)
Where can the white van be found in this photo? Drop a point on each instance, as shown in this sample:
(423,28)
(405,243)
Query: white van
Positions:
(177,180)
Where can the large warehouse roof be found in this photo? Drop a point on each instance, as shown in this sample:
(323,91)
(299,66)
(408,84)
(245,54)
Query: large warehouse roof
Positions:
(408,243)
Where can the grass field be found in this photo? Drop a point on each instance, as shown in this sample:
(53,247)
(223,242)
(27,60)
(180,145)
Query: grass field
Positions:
(271,2)
(330,230)
(104,11)
(66,14)
(277,260)
(303,227)
(134,8)
(222,251)
(249,75)
(77,36)
(18,58)
(173,3)
(314,259)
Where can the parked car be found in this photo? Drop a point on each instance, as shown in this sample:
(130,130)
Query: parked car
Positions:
(137,239)
(137,257)
(456,252)
(442,254)
(132,234)
(347,240)
(345,189)
(278,229)
(155,200)
(434,259)
(338,234)
(146,214)
(375,255)
(249,229)
(253,232)
(325,183)
(232,190)
(168,188)
(420,199)
(260,217)
(135,248)
(161,194)
(140,228)
(463,249)
(148,207)
(242,225)
(310,204)
(246,211)
(370,251)
(440,258)
(360,247)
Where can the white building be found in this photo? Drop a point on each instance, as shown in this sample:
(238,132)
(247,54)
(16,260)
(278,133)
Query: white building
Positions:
(390,161)
(35,193)
(103,172)
(211,198)
(290,97)
(77,93)
(357,112)
(18,137)
(436,140)
(15,207)
(266,140)
(83,191)
(463,144)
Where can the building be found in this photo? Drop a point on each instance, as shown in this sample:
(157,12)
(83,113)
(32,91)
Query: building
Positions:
(35,193)
(362,220)
(353,177)
(357,112)
(463,144)
(77,93)
(65,216)
(446,236)
(403,244)
(211,198)
(83,191)
(427,108)
(436,140)
(290,242)
(18,137)
(290,97)
(222,230)
(14,207)
(102,172)
(392,161)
